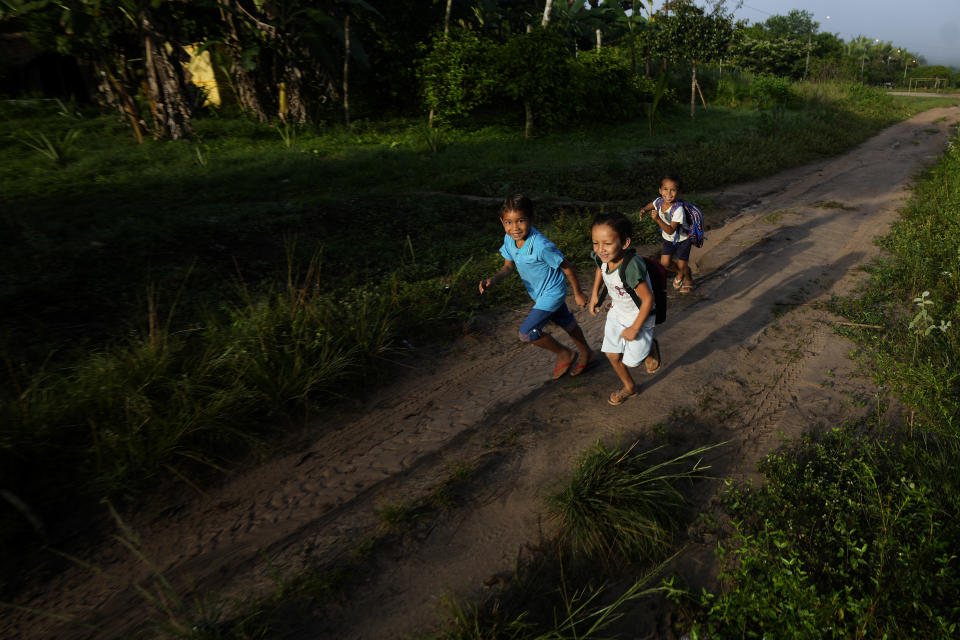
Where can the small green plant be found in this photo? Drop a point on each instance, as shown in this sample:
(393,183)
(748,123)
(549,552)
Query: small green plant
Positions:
(59,150)
(774,216)
(923,323)
(287,132)
(201,155)
(833,204)
(433,136)
(653,116)
(621,505)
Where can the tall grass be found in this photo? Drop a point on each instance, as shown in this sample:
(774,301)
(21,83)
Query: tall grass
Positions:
(98,401)
(171,402)
(621,505)
(914,295)
(854,534)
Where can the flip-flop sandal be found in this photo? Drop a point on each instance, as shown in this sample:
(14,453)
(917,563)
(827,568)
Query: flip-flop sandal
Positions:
(677,283)
(561,369)
(655,350)
(685,289)
(581,367)
(620,396)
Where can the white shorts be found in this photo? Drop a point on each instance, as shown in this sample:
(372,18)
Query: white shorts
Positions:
(634,351)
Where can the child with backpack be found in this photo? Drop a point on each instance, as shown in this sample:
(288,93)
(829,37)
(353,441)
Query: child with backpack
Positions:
(628,334)
(542,268)
(680,228)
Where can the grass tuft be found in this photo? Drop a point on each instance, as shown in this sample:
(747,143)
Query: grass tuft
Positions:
(620,505)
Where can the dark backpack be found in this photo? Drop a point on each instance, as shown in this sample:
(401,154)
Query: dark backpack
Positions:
(658,280)
(693,219)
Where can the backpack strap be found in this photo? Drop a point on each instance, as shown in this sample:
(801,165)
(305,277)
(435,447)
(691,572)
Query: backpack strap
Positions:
(631,291)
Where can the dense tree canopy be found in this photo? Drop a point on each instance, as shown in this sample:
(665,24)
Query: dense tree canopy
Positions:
(296,61)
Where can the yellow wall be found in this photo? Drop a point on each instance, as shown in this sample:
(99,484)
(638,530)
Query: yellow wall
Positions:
(201,68)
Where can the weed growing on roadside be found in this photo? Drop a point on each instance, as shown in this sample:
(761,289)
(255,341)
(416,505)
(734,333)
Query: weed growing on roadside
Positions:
(833,204)
(621,505)
(851,536)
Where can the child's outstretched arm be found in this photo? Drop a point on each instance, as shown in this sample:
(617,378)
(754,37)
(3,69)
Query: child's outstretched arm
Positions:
(646,304)
(505,270)
(572,277)
(595,293)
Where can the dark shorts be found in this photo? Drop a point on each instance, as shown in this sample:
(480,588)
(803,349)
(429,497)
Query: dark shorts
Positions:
(681,250)
(532,327)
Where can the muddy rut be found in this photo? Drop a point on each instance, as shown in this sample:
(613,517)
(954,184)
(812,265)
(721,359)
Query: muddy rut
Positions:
(749,356)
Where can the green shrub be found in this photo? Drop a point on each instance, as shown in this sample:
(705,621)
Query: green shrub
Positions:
(456,73)
(770,91)
(850,537)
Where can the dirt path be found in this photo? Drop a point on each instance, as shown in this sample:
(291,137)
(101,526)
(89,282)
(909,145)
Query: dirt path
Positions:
(747,358)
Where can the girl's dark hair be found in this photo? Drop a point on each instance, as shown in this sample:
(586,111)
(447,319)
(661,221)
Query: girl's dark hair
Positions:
(517,202)
(617,221)
(672,177)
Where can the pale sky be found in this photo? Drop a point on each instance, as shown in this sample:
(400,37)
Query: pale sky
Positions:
(930,28)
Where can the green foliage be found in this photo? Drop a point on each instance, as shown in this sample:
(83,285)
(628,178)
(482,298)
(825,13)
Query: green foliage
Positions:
(456,73)
(114,401)
(691,34)
(920,354)
(732,91)
(851,536)
(770,91)
(620,505)
(778,57)
(581,614)
(58,149)
(533,70)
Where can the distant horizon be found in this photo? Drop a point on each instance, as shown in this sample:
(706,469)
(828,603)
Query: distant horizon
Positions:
(930,28)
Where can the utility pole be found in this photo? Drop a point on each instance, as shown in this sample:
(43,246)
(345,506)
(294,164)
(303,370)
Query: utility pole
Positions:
(809,41)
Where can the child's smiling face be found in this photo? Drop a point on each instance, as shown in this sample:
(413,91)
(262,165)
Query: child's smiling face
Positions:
(516,224)
(607,243)
(669,190)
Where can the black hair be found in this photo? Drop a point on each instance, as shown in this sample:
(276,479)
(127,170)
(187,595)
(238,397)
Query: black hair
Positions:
(618,222)
(672,177)
(517,202)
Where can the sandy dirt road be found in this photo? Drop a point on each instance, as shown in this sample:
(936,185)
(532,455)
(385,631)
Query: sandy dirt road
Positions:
(748,357)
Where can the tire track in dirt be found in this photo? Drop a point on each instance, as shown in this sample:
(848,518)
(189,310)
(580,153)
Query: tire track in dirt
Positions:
(310,506)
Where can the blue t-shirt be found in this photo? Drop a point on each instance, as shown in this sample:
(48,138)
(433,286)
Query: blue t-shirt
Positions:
(538,264)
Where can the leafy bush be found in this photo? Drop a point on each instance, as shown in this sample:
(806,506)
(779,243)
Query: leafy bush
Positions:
(773,91)
(604,88)
(456,73)
(732,91)
(533,69)
(851,537)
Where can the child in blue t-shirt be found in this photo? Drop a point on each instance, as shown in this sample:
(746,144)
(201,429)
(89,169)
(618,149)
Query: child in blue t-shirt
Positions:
(542,268)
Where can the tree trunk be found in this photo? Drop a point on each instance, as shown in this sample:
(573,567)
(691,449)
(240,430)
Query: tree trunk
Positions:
(446,33)
(242,83)
(166,84)
(295,107)
(693,91)
(346,70)
(546,14)
(116,93)
(599,39)
(528,120)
